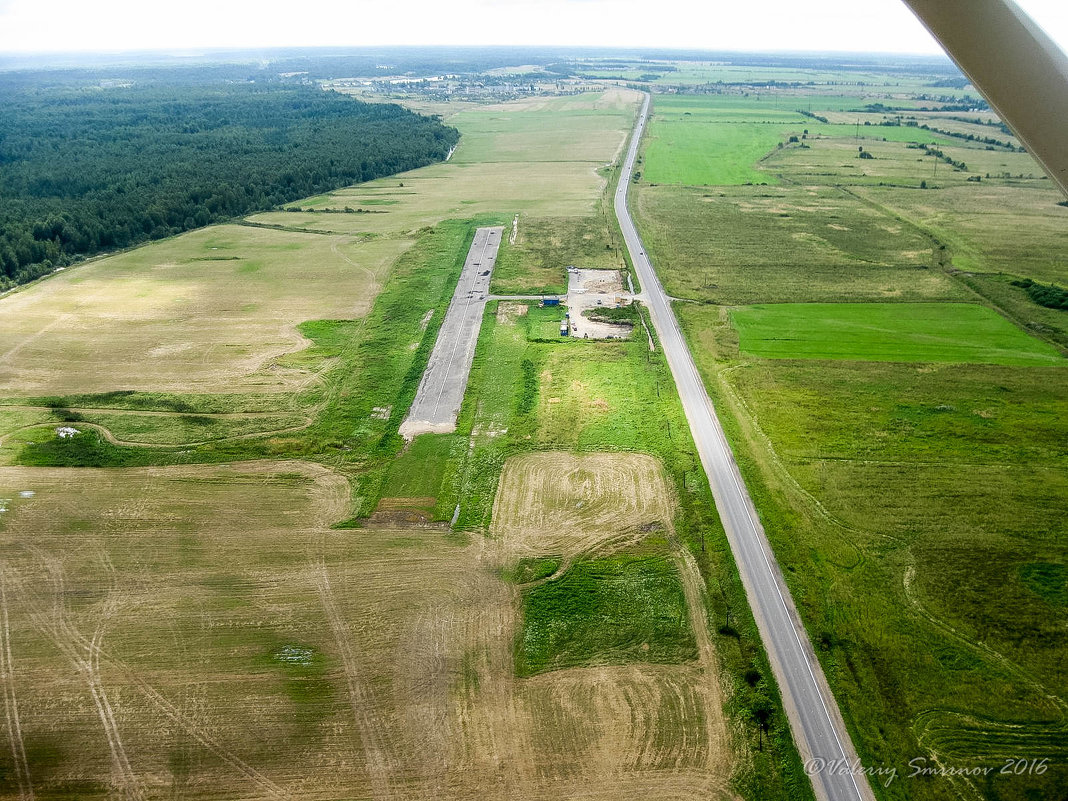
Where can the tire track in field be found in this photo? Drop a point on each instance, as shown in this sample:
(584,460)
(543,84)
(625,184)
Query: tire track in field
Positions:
(84,655)
(379,762)
(72,643)
(11,707)
(923,723)
(370,273)
(37,334)
(1008,665)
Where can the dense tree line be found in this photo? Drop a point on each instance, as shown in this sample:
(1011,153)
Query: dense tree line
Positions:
(88,170)
(1049,295)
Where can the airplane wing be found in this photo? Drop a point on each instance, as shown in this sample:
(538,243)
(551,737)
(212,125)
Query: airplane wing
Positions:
(1019,69)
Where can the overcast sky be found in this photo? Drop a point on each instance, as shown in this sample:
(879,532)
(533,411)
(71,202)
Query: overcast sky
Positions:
(117,25)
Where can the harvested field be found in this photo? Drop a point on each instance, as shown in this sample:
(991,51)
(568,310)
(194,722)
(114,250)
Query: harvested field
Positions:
(202,632)
(164,632)
(204,312)
(452,191)
(567,504)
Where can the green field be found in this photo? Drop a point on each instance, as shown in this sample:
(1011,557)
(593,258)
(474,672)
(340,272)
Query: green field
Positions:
(741,245)
(888,332)
(888,394)
(606,610)
(682,152)
(896,497)
(717,140)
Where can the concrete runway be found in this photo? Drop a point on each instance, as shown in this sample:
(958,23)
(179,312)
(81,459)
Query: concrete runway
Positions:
(437,401)
(818,728)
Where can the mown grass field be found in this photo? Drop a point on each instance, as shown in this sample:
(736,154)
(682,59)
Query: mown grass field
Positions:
(888,332)
(740,245)
(914,503)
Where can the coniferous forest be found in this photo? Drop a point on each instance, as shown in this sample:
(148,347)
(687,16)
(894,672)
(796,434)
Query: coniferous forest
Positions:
(85,170)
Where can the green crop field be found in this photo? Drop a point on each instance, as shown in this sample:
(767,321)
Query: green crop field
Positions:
(718,140)
(888,332)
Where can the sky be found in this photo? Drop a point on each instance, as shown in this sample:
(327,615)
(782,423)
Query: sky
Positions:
(819,25)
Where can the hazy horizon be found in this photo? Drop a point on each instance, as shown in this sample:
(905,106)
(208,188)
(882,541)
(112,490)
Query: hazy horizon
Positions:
(830,26)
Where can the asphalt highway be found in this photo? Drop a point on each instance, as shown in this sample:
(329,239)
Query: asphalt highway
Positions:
(817,724)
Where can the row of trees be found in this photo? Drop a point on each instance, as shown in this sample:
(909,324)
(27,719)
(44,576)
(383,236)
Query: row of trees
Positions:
(88,170)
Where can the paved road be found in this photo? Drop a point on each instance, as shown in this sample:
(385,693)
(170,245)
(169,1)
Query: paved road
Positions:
(817,724)
(441,391)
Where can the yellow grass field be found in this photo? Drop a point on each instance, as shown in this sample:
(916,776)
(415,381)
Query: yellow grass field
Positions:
(204,312)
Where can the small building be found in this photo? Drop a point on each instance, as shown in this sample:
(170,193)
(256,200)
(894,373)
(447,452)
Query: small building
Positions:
(550,302)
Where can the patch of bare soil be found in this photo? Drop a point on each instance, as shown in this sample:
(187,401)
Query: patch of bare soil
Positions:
(509,311)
